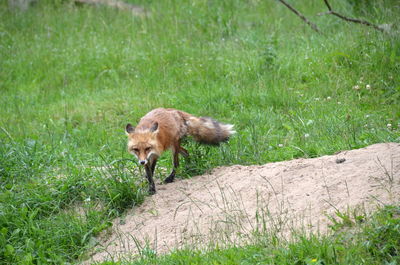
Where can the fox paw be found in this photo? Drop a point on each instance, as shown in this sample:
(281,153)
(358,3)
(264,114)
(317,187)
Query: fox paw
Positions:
(152,191)
(170,178)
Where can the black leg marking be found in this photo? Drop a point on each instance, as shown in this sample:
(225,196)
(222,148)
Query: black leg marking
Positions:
(171,177)
(149,176)
(176,159)
(153,166)
(183,152)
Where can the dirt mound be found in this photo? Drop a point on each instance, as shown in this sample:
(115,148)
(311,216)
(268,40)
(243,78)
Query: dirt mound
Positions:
(232,202)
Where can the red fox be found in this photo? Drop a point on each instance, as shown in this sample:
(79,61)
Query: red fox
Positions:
(163,129)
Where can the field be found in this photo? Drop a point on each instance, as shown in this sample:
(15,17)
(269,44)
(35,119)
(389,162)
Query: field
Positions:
(72,77)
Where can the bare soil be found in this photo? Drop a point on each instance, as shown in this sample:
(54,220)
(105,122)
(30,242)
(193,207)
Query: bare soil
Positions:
(118,4)
(231,203)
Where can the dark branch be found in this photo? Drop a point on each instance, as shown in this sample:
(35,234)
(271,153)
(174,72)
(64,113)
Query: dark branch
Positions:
(312,25)
(328,5)
(354,20)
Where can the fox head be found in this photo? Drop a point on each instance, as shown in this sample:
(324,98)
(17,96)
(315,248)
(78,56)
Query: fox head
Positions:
(143,143)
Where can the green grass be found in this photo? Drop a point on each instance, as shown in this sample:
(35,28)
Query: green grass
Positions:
(72,77)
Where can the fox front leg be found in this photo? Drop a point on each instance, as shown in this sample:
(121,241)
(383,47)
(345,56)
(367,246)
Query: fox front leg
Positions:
(149,167)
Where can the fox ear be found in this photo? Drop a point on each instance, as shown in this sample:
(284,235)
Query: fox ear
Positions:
(154,128)
(129,128)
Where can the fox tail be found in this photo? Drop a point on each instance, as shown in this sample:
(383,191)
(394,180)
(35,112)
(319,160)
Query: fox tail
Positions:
(206,130)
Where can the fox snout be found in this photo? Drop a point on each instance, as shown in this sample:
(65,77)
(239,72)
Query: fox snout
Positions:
(142,158)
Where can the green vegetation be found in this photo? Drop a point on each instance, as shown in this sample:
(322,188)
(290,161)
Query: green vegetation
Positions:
(72,77)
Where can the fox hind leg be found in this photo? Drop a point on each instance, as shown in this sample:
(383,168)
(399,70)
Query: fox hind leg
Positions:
(175,154)
(183,151)
(171,176)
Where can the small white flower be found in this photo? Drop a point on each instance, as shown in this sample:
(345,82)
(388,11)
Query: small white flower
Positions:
(367,116)
(389,125)
(280,145)
(87,199)
(328,98)
(339,103)
(356,87)
(309,122)
(368,87)
(306,135)
(316,99)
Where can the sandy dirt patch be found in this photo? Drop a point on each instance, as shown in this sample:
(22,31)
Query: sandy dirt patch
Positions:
(229,204)
(118,4)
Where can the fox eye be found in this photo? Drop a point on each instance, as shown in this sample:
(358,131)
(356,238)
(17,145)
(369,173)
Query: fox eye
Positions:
(147,149)
(135,150)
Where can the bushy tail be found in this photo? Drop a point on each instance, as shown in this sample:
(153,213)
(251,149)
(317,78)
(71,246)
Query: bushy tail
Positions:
(208,131)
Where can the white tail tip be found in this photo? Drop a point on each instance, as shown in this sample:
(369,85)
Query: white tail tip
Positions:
(229,128)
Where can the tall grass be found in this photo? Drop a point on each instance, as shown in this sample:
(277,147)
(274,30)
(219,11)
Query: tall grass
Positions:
(72,77)
(51,214)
